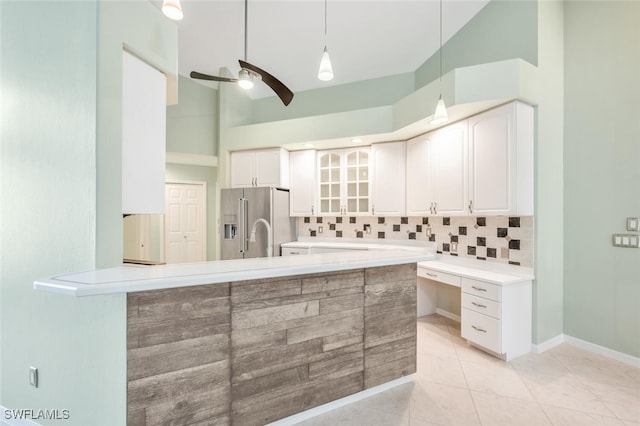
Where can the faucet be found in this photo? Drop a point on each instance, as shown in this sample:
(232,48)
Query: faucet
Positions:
(252,238)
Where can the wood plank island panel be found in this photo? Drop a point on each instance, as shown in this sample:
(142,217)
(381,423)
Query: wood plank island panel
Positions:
(178,365)
(390,323)
(252,352)
(309,332)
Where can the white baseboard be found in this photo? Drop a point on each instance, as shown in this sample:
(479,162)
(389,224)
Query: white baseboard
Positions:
(448,314)
(4,421)
(587,346)
(601,350)
(549,344)
(325,408)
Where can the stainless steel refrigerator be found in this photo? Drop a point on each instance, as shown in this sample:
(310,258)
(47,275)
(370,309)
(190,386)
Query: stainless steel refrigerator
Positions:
(240,211)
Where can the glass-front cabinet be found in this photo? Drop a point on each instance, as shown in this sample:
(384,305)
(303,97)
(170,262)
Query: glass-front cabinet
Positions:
(344,182)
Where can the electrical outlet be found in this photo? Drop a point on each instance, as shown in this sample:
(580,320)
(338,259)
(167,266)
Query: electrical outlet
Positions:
(33,376)
(367,229)
(504,252)
(454,247)
(633,224)
(320,229)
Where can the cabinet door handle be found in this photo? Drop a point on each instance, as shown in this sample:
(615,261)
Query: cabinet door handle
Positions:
(435,208)
(478,305)
(470,206)
(312,210)
(478,288)
(373,209)
(482,330)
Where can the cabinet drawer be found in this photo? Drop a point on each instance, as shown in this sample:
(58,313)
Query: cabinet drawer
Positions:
(289,251)
(482,289)
(439,276)
(480,304)
(482,330)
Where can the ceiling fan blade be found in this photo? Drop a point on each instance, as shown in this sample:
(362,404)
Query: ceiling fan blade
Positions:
(276,85)
(200,76)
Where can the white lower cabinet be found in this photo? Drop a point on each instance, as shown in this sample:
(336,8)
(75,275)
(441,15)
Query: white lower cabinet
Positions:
(294,251)
(495,317)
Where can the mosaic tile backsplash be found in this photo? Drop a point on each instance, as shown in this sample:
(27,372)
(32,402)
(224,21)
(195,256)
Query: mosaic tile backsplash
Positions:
(500,239)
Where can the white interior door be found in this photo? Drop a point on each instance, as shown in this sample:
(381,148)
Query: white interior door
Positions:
(185,223)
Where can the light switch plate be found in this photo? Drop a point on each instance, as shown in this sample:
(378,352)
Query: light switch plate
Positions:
(626,240)
(633,224)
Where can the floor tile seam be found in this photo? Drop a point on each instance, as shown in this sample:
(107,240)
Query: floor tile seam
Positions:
(447,384)
(622,419)
(532,399)
(612,416)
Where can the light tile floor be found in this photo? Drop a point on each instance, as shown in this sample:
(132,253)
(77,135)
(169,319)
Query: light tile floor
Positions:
(457,384)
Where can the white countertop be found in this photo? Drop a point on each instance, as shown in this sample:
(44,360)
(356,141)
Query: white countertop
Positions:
(132,278)
(496,273)
(360,244)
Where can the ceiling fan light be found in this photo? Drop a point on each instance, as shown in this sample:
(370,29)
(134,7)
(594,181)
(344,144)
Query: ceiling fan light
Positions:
(441,115)
(172,9)
(245,79)
(325,73)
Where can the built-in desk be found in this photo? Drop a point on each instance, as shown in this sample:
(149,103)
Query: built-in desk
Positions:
(495,302)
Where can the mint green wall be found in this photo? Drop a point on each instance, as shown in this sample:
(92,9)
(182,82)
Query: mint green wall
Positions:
(141,28)
(60,197)
(192,124)
(192,127)
(180,172)
(345,97)
(548,225)
(48,217)
(602,171)
(503,29)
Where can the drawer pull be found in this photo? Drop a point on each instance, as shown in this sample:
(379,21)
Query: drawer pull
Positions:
(479,329)
(294,252)
(478,305)
(432,275)
(478,288)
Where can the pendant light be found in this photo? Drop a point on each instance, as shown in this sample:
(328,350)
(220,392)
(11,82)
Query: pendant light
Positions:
(172,9)
(440,115)
(325,72)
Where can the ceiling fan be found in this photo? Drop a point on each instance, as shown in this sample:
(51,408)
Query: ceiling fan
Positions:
(249,71)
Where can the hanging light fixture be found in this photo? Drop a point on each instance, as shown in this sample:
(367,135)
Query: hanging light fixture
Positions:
(325,72)
(440,115)
(172,9)
(245,79)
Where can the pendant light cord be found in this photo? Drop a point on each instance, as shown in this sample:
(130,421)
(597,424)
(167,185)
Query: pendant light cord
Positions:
(325,21)
(245,29)
(441,46)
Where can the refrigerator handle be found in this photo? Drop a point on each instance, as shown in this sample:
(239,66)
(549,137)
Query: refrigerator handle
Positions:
(244,224)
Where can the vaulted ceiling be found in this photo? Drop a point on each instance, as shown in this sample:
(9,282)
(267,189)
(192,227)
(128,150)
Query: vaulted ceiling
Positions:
(365,38)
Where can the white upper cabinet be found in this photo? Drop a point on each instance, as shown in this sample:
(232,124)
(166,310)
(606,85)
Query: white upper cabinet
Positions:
(437,172)
(388,179)
(302,190)
(448,166)
(419,188)
(144,106)
(343,182)
(501,161)
(268,167)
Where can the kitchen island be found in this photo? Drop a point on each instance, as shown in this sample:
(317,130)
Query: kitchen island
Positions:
(252,341)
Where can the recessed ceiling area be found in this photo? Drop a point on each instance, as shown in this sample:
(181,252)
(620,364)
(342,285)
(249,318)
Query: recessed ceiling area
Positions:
(366,39)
